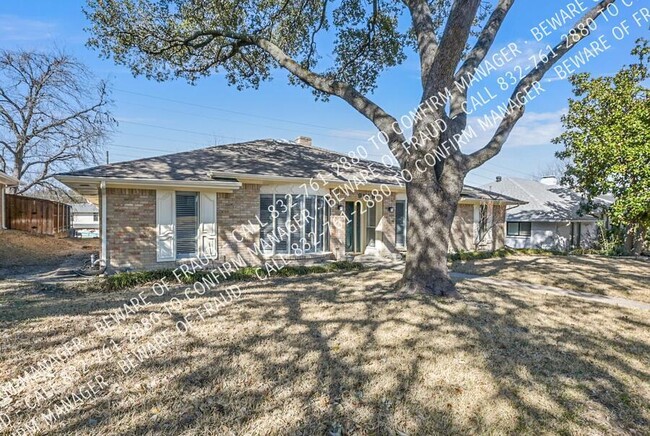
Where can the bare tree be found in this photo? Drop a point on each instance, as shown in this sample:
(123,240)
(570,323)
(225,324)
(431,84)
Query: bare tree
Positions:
(53,116)
(557,169)
(247,40)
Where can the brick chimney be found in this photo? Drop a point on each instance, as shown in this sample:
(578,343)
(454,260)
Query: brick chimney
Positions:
(303,140)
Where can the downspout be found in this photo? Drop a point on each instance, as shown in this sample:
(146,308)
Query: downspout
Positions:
(102,187)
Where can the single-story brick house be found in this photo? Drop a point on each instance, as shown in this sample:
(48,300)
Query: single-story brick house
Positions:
(246,200)
(5,181)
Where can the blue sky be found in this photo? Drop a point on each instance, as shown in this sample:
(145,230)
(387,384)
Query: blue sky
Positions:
(155,118)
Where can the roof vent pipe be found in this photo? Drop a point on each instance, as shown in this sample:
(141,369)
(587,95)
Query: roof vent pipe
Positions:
(499,178)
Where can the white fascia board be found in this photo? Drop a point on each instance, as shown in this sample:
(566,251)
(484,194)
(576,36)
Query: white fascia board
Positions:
(8,180)
(120,182)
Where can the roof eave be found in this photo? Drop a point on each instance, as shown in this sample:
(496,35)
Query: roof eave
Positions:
(8,180)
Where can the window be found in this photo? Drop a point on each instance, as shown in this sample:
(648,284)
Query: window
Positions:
(293,224)
(400,223)
(95,216)
(518,229)
(187,224)
(371,225)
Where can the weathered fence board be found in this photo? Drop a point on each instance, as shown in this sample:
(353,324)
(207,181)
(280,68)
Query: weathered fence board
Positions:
(36,215)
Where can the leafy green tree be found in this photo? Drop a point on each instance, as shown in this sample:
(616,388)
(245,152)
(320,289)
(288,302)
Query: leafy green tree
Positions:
(607,143)
(248,39)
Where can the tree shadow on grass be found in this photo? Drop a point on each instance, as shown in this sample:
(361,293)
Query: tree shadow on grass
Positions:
(313,355)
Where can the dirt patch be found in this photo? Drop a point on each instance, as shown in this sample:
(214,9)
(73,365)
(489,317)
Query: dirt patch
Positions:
(612,276)
(340,353)
(22,252)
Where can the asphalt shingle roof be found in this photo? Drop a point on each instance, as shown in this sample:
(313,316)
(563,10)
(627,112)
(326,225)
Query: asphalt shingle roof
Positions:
(543,202)
(265,157)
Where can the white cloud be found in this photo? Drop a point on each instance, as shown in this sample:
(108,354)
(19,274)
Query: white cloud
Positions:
(533,129)
(13,28)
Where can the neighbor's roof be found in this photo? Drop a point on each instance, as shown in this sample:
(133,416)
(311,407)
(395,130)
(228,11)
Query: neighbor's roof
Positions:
(265,157)
(84,208)
(543,202)
(8,180)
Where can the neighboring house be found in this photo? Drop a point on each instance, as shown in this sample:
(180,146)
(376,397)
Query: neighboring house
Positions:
(85,220)
(235,201)
(551,217)
(5,181)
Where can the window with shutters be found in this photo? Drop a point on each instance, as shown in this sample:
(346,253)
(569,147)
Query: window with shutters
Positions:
(187,224)
(293,224)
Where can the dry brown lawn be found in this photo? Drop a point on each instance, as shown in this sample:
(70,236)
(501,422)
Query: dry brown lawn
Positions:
(611,276)
(339,353)
(18,249)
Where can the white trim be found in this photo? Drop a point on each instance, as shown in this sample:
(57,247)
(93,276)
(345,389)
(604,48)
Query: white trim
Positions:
(103,218)
(172,218)
(2,207)
(294,189)
(115,181)
(8,180)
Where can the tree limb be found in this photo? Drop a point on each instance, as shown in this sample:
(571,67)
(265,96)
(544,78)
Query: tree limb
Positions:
(454,38)
(425,32)
(515,111)
(366,107)
(475,58)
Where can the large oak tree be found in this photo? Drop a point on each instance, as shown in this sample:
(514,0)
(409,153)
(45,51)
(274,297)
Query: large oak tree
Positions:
(248,39)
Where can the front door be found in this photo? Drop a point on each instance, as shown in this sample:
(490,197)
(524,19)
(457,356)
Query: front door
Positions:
(360,227)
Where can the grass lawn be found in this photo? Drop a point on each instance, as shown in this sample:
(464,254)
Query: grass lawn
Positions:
(334,352)
(611,276)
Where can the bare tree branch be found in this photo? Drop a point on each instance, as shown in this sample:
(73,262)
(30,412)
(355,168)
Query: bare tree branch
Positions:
(425,32)
(53,114)
(475,58)
(366,107)
(454,38)
(516,110)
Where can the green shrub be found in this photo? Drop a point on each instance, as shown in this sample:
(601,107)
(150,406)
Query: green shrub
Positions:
(126,280)
(502,252)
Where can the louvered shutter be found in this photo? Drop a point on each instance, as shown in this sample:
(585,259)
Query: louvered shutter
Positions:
(208,224)
(165,226)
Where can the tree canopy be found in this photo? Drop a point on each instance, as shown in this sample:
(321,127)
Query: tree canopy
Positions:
(607,141)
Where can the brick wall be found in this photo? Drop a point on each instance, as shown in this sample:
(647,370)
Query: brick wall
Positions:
(462,229)
(499,235)
(387,225)
(131,228)
(233,211)
(337,223)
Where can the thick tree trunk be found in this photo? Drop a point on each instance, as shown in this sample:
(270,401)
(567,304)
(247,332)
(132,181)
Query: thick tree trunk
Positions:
(431,211)
(635,240)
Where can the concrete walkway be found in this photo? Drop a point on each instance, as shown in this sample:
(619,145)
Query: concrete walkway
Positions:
(381,263)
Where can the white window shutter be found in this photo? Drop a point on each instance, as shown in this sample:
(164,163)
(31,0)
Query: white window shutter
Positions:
(165,218)
(208,224)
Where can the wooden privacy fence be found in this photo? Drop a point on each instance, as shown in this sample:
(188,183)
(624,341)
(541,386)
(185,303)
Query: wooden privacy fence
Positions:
(36,215)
